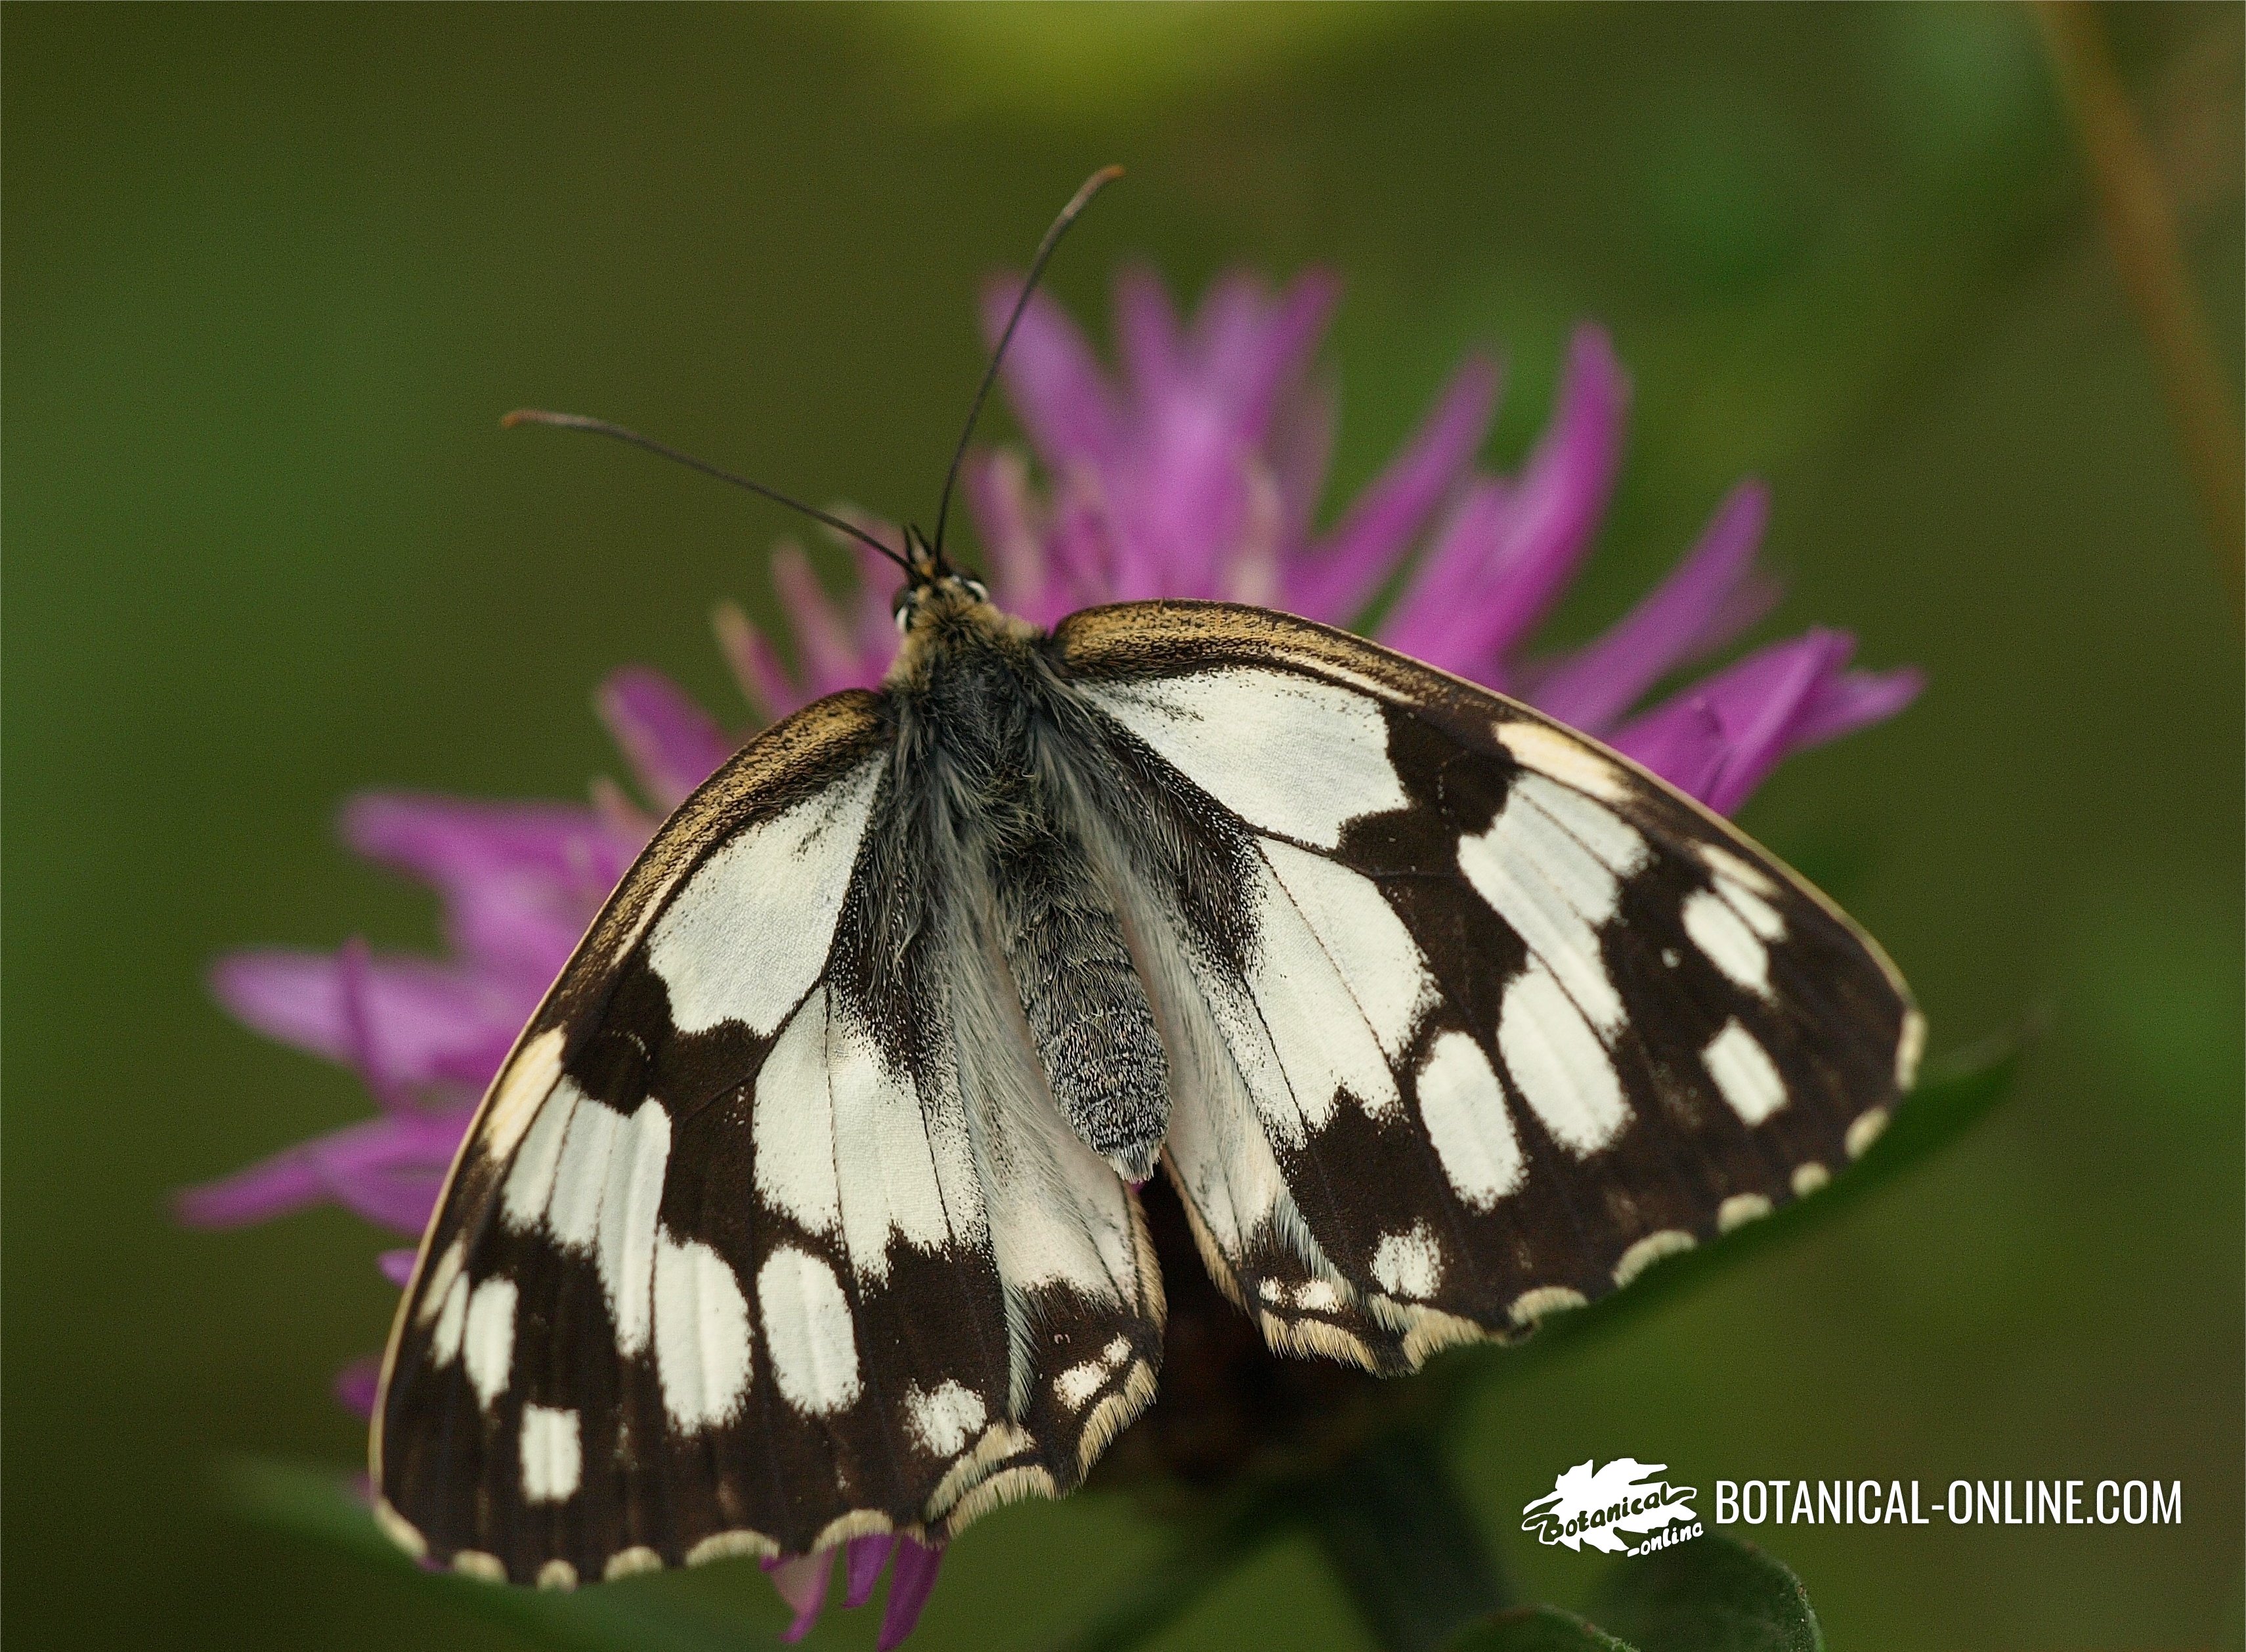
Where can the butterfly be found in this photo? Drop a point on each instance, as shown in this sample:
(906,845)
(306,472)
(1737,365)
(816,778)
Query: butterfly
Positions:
(807,1206)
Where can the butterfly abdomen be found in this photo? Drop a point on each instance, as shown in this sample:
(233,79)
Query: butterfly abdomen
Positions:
(974,717)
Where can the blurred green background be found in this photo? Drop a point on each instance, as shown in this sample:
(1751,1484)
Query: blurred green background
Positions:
(271,274)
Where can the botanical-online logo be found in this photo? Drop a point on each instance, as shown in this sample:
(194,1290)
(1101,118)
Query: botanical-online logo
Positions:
(1599,1506)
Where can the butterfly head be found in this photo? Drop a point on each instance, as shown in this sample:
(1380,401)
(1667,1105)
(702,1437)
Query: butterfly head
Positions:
(932,586)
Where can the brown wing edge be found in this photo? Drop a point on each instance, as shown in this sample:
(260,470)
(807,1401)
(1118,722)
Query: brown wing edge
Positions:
(1124,642)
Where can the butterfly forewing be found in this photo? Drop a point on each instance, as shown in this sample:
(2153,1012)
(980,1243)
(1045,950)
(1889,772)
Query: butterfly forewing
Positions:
(1494,1017)
(762,1237)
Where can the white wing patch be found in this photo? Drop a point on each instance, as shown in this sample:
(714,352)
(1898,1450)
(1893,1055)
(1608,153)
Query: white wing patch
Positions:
(625,1247)
(553,1454)
(529,1076)
(844,1144)
(808,1330)
(1563,1071)
(792,1123)
(594,1178)
(1724,938)
(1382,966)
(748,934)
(1216,1147)
(452,1322)
(1252,737)
(1761,917)
(1551,865)
(573,1215)
(702,1354)
(1745,1073)
(1563,758)
(1409,1265)
(1318,1027)
(891,1170)
(942,1419)
(487,1347)
(1463,1109)
(1057,1213)
(529,1185)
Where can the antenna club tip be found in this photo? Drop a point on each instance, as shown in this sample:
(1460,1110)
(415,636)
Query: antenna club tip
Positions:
(521,416)
(1092,185)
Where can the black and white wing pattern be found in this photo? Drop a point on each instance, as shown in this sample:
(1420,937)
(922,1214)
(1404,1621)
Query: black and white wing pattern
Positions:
(1471,1019)
(766,1234)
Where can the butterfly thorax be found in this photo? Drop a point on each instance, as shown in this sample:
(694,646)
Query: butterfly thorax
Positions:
(979,712)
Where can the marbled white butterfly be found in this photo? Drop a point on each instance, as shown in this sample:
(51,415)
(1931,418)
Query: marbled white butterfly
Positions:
(805,1207)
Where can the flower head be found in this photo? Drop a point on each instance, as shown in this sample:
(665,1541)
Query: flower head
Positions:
(1197,472)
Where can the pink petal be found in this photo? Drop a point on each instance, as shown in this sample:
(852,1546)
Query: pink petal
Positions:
(862,1560)
(1301,448)
(823,642)
(1006,512)
(1225,334)
(1552,509)
(520,880)
(421,1022)
(1425,622)
(763,682)
(910,1580)
(386,1169)
(671,743)
(1052,379)
(1274,359)
(1684,745)
(1561,492)
(355,1386)
(1759,704)
(1592,687)
(801,1581)
(444,839)
(1146,335)
(1338,576)
(874,602)
(396,1265)
(1178,508)
(1084,558)
(273,1187)
(1856,700)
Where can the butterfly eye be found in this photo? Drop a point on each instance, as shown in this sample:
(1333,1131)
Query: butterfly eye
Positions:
(975,588)
(906,603)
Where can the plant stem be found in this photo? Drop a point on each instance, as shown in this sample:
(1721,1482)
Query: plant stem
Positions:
(1407,1548)
(2140,228)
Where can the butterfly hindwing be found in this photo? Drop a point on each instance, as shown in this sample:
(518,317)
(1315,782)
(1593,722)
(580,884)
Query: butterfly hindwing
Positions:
(1485,1018)
(761,1239)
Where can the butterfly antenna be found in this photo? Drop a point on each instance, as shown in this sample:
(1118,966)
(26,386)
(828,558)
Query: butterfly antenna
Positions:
(1092,186)
(603,427)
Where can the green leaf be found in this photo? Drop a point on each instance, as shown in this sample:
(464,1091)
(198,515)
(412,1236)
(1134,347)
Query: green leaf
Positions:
(1714,1593)
(1205,1554)
(1537,1628)
(640,1616)
(1947,1103)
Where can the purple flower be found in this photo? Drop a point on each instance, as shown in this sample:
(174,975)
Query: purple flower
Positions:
(1196,473)
(802,1580)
